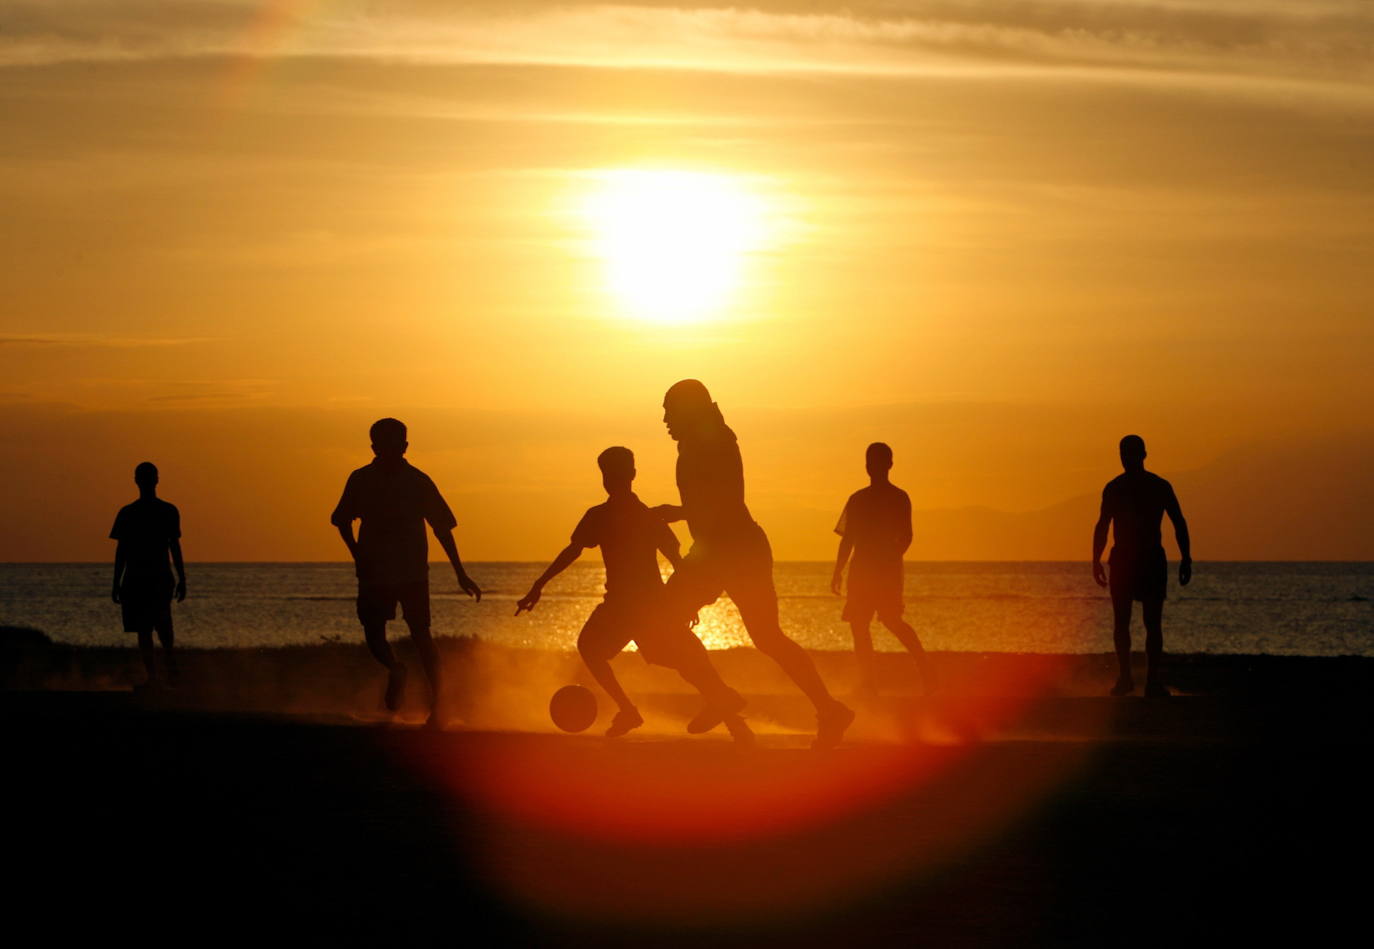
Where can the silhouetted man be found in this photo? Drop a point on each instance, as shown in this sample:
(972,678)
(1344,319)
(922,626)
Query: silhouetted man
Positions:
(146,532)
(394,499)
(730,552)
(876,527)
(1135,503)
(630,537)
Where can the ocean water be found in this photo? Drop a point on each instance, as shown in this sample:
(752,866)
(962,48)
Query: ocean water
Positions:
(1317,609)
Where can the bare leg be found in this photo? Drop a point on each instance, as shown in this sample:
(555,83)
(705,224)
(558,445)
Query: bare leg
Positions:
(145,650)
(375,634)
(165,636)
(1152,611)
(601,671)
(863,655)
(429,661)
(906,635)
(1121,638)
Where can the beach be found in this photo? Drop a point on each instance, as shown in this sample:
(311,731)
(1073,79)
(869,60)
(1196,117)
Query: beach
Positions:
(1018,807)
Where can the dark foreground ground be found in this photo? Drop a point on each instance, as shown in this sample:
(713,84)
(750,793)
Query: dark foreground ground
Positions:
(1202,819)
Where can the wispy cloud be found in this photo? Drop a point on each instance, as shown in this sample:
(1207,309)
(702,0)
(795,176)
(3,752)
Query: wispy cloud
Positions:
(95,341)
(1323,43)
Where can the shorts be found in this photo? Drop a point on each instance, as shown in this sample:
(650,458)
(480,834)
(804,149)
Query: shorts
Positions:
(377,602)
(1142,577)
(744,570)
(615,623)
(146,603)
(874,591)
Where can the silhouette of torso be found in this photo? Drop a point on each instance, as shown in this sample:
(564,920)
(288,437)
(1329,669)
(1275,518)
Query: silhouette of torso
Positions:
(710,481)
(629,536)
(1136,501)
(145,530)
(877,519)
(393,501)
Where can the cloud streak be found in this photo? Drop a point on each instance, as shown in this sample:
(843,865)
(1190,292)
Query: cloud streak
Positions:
(1324,44)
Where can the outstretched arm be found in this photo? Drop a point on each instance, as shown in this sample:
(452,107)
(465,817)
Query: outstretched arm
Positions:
(1185,546)
(180,566)
(560,563)
(669,512)
(1104,520)
(465,582)
(841,558)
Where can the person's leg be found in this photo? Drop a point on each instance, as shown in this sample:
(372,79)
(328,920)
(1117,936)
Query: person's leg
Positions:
(414,600)
(751,587)
(145,651)
(1121,638)
(166,637)
(863,655)
(602,638)
(906,635)
(1152,612)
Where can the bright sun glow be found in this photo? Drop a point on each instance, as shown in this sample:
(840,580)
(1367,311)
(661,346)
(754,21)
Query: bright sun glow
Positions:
(674,244)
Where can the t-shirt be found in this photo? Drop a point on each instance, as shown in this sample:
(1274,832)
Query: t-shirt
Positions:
(1135,501)
(710,481)
(877,520)
(629,535)
(393,501)
(145,530)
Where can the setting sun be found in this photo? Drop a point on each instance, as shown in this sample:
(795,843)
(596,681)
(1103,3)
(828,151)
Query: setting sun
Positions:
(674,244)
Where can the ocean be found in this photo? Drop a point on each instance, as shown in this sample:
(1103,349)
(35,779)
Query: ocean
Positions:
(1312,609)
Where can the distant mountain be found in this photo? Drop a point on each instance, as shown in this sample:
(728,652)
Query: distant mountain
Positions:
(1243,506)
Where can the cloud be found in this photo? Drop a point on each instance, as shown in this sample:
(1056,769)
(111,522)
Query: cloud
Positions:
(93,341)
(1327,45)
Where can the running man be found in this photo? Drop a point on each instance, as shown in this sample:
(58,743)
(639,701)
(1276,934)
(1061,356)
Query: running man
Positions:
(730,552)
(875,527)
(146,532)
(630,537)
(394,500)
(1134,504)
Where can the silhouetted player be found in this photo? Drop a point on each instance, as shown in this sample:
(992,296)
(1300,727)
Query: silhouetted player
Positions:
(147,532)
(394,499)
(876,527)
(730,552)
(630,537)
(1135,503)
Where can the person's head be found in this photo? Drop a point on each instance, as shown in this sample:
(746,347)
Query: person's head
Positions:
(145,475)
(688,409)
(617,466)
(1132,452)
(388,438)
(878,460)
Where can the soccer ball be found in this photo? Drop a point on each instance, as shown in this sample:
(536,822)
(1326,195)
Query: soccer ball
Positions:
(573,708)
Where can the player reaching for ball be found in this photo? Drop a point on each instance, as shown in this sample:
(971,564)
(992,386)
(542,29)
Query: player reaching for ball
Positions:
(630,537)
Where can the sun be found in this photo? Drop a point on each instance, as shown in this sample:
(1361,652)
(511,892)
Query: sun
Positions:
(674,245)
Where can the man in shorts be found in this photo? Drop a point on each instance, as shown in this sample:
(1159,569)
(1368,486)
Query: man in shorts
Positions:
(393,499)
(730,552)
(630,538)
(1134,504)
(875,527)
(146,532)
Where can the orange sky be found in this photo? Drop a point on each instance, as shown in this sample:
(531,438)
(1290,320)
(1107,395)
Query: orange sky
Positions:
(996,235)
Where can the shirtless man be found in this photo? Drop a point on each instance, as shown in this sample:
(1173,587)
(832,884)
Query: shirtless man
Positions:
(1134,504)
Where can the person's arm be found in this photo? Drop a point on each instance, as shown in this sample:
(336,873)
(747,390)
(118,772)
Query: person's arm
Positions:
(1185,546)
(670,547)
(560,563)
(465,582)
(345,513)
(180,566)
(841,558)
(904,532)
(1104,520)
(668,513)
(119,564)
